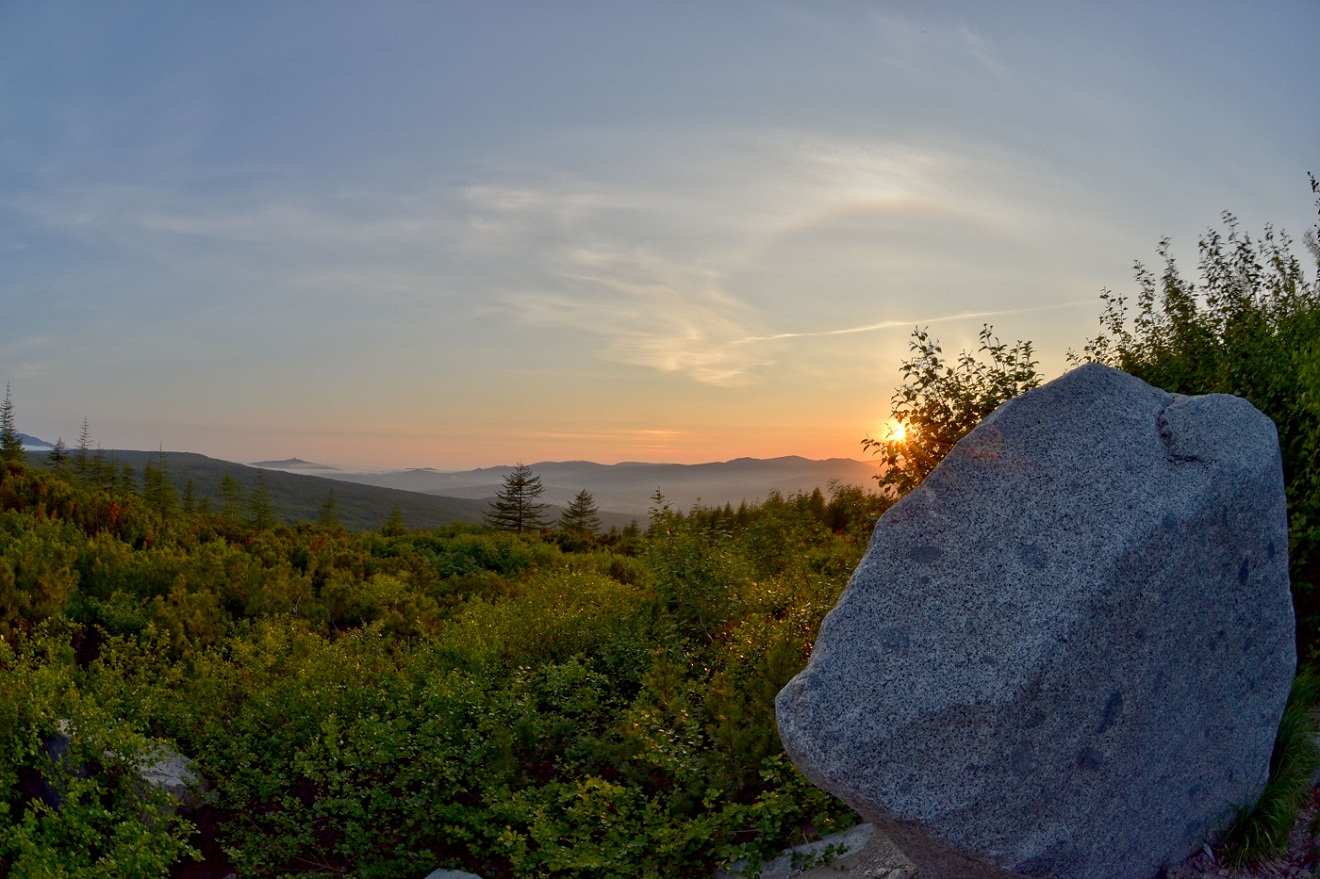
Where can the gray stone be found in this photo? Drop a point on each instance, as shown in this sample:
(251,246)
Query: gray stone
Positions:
(161,767)
(1066,653)
(451,874)
(848,842)
(166,769)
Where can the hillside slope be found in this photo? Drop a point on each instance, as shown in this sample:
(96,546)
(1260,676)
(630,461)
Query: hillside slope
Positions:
(629,487)
(298,498)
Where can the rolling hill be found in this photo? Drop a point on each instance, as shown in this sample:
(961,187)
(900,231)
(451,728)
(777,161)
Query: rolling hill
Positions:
(428,498)
(298,498)
(627,488)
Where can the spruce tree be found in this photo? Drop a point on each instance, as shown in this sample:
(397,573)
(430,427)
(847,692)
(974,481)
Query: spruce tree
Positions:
(82,464)
(261,512)
(231,497)
(102,469)
(329,515)
(581,516)
(394,526)
(11,447)
(515,507)
(59,456)
(157,489)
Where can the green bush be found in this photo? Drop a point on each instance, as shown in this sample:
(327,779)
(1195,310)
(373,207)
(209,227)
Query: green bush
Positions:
(85,814)
(36,571)
(937,404)
(1249,326)
(384,704)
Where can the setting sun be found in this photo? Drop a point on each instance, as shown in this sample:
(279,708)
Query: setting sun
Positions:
(897,432)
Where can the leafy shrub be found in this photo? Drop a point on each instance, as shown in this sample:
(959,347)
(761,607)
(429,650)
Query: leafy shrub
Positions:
(383,597)
(697,575)
(85,813)
(383,704)
(503,553)
(937,404)
(557,615)
(1249,326)
(36,571)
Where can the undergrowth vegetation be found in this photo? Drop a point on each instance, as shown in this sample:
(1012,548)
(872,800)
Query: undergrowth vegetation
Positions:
(383,705)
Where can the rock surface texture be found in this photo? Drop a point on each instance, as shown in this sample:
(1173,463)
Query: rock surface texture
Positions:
(1066,653)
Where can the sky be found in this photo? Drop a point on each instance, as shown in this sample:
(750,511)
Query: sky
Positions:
(451,235)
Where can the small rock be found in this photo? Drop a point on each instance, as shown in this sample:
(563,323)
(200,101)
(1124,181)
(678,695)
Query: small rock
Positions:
(850,841)
(163,768)
(172,772)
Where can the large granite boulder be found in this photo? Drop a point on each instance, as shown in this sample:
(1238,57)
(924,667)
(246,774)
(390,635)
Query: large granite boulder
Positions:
(1066,653)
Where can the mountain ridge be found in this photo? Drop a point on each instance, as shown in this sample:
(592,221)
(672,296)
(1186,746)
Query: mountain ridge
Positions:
(629,487)
(429,498)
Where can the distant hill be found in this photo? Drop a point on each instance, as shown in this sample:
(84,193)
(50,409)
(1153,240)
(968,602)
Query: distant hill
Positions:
(33,444)
(298,498)
(293,464)
(430,498)
(627,488)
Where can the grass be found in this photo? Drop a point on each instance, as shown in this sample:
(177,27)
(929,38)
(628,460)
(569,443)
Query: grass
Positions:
(1261,831)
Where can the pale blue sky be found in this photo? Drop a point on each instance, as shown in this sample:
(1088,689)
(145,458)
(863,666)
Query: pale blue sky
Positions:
(452,235)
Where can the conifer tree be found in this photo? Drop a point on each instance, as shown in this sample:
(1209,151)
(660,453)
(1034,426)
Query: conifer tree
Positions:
(261,512)
(816,504)
(11,447)
(393,526)
(101,469)
(157,489)
(660,509)
(231,495)
(82,464)
(582,516)
(59,456)
(515,507)
(329,515)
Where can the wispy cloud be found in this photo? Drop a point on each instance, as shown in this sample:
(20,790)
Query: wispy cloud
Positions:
(891,324)
(137,215)
(652,262)
(274,252)
(592,258)
(677,328)
(650,269)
